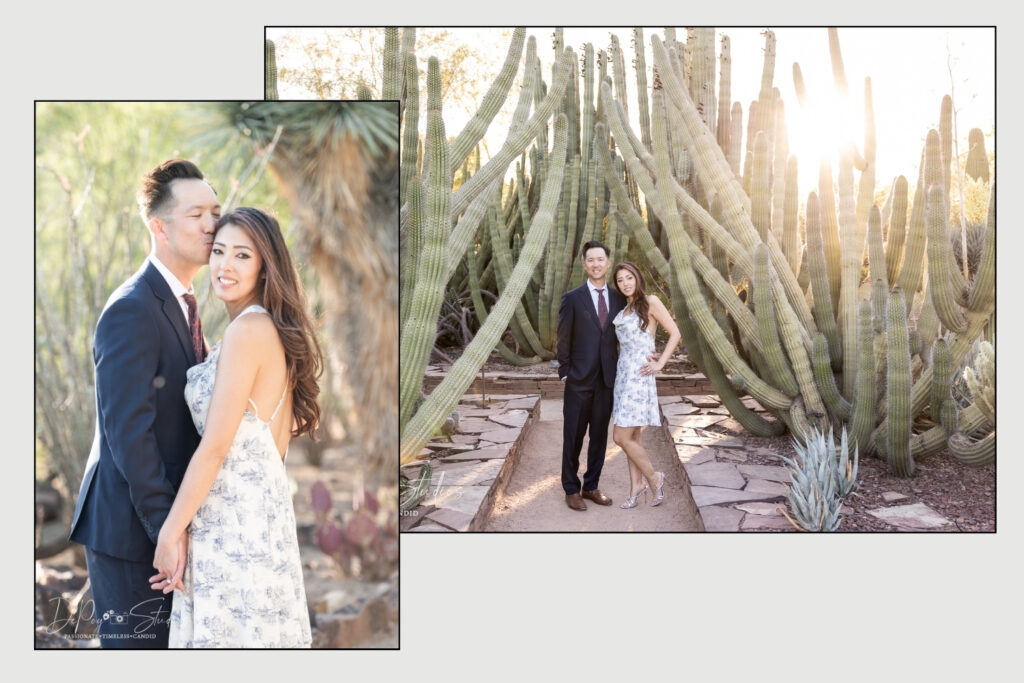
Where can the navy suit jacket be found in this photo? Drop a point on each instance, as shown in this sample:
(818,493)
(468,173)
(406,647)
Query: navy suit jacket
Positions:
(144,431)
(585,352)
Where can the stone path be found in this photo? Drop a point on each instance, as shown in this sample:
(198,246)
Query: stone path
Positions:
(533,499)
(500,471)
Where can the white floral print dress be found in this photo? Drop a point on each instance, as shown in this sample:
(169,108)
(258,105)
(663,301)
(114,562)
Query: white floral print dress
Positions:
(243,579)
(636,396)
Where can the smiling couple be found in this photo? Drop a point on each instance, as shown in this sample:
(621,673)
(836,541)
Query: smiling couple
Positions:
(186,474)
(606,360)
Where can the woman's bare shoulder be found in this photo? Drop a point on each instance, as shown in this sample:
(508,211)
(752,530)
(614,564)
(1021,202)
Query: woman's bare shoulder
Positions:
(253,332)
(654,302)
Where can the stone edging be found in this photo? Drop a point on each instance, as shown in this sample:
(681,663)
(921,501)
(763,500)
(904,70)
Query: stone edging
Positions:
(729,494)
(467,476)
(549,386)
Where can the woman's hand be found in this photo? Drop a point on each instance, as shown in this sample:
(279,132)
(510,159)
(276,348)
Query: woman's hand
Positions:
(169,562)
(652,366)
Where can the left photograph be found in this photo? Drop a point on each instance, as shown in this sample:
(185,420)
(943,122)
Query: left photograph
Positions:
(216,375)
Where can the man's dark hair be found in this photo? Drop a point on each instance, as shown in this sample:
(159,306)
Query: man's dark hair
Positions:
(155,192)
(591,245)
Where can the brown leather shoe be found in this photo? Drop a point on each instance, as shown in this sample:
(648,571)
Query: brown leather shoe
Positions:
(597,497)
(575,502)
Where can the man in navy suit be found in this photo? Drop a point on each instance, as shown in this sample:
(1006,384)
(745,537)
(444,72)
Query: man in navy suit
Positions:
(147,336)
(587,354)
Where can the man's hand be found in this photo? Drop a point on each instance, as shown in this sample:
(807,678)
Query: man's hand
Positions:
(169,561)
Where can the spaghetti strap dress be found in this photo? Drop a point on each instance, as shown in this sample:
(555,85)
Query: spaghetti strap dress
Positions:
(635,395)
(243,577)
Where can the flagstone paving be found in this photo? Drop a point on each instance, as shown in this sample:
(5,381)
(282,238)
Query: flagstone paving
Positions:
(500,471)
(468,467)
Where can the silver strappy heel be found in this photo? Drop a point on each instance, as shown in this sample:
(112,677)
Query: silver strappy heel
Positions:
(660,491)
(631,501)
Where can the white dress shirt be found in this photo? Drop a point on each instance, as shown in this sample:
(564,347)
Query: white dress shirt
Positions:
(177,289)
(594,295)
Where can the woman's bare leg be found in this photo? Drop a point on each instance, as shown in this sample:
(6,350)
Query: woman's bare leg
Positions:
(620,435)
(628,438)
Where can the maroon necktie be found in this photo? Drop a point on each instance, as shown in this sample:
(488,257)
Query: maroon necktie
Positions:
(602,307)
(195,327)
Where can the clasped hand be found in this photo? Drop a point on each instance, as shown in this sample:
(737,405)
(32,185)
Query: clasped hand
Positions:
(169,562)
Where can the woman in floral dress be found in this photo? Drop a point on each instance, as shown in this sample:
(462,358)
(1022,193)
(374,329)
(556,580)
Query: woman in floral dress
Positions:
(636,397)
(229,544)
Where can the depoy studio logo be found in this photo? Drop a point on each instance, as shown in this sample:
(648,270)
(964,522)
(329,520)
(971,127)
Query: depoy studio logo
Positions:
(139,621)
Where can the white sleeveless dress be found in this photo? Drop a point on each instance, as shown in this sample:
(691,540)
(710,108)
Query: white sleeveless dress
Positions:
(636,396)
(243,579)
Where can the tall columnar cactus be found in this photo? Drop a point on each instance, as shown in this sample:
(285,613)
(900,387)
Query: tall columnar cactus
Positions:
(432,208)
(942,280)
(817,266)
(941,374)
(864,397)
(447,394)
(760,187)
(790,233)
(732,257)
(850,261)
(269,70)
(411,136)
(421,322)
(897,396)
(837,405)
(778,364)
(897,234)
(913,251)
(977,159)
(393,65)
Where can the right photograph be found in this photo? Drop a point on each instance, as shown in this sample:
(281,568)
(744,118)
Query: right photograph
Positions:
(686,279)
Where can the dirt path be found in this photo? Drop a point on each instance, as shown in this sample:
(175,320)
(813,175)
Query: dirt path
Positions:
(534,500)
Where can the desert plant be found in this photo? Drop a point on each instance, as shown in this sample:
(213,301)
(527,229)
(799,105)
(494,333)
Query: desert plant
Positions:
(722,235)
(413,491)
(363,541)
(270,71)
(822,475)
(981,383)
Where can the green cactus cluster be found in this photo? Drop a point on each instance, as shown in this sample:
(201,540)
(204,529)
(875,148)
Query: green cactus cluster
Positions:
(789,317)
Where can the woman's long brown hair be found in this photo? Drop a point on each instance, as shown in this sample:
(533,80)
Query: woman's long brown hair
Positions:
(282,295)
(639,303)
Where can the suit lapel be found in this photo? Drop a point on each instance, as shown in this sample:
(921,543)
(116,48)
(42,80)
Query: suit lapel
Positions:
(589,312)
(172,310)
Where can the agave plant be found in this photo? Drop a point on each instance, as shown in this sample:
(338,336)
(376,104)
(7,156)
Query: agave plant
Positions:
(821,477)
